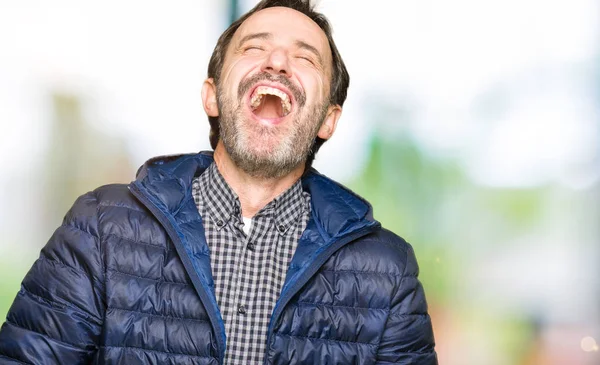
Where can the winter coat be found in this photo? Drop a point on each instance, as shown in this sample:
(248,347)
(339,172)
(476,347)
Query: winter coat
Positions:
(126,280)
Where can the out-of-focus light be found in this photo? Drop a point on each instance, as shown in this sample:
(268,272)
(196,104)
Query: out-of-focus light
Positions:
(437,260)
(588,344)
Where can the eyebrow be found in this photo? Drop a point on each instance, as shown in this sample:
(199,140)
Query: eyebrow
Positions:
(265,35)
(312,49)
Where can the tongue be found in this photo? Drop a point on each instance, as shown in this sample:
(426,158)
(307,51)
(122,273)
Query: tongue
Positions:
(270,107)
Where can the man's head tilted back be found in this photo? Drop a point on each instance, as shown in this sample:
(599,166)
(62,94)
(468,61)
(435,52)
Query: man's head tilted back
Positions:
(275,89)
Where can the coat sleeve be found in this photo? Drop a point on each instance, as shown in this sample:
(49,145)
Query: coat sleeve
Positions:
(57,315)
(408,334)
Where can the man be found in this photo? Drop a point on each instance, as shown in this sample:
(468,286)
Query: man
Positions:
(246,256)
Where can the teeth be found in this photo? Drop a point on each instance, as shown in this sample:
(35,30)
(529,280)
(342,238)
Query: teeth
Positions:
(264,90)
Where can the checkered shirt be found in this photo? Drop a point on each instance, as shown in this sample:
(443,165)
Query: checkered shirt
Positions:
(248,271)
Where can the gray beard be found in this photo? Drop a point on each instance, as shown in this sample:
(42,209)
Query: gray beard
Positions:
(241,141)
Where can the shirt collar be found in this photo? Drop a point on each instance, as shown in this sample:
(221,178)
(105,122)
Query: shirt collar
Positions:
(287,208)
(223,203)
(217,196)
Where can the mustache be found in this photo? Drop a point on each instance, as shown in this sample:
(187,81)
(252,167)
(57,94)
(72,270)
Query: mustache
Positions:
(246,84)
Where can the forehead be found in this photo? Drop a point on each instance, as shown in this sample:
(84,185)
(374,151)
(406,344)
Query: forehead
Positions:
(285,24)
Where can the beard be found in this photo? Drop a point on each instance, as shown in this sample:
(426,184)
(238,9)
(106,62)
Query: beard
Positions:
(268,151)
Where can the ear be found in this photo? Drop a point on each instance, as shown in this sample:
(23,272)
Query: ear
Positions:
(334,112)
(209,98)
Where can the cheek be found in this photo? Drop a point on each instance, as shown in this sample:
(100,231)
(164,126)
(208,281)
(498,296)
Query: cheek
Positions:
(312,82)
(239,69)
(234,75)
(317,80)
(319,89)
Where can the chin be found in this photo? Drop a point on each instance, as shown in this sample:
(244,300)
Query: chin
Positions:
(265,150)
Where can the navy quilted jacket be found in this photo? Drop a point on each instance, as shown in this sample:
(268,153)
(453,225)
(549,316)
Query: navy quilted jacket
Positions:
(126,280)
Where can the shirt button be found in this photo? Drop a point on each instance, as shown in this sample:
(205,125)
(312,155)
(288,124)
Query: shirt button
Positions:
(281,228)
(220,223)
(241,309)
(251,246)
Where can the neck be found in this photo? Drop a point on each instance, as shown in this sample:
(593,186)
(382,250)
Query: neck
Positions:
(254,193)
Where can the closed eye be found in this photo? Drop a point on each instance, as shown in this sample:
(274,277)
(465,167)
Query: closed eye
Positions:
(306,58)
(250,48)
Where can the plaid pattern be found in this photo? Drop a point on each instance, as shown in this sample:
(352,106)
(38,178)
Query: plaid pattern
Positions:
(248,271)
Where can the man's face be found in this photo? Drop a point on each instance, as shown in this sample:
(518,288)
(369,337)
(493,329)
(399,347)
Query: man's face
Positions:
(273,92)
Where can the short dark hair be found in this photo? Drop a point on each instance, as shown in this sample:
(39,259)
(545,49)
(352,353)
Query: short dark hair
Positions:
(340,79)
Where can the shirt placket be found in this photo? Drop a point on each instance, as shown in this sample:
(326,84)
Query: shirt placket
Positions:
(230,310)
(245,277)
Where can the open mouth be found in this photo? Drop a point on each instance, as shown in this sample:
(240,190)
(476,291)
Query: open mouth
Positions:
(270,103)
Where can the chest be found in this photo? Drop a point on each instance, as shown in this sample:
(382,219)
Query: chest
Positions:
(154,311)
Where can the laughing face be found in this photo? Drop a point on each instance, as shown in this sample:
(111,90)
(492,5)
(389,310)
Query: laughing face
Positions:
(272,98)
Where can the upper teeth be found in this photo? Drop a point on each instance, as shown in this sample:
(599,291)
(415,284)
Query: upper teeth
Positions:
(261,91)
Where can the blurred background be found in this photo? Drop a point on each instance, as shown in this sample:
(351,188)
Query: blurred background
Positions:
(472,127)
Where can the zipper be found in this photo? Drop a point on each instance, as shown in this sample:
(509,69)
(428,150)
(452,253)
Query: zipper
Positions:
(187,263)
(307,275)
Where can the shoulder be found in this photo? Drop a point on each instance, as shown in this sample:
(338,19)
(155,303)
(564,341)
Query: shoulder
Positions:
(101,204)
(115,195)
(381,251)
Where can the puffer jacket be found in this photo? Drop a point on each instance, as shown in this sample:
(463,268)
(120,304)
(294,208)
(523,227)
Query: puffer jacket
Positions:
(126,280)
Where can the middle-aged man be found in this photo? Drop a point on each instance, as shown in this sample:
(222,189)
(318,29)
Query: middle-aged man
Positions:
(244,256)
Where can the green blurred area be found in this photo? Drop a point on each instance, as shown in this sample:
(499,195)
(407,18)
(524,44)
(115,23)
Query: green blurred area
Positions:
(434,206)
(13,267)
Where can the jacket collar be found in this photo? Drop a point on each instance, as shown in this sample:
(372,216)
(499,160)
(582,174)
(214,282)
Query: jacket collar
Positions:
(337,211)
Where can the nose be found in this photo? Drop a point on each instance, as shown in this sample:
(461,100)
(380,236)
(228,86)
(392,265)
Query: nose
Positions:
(277,63)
